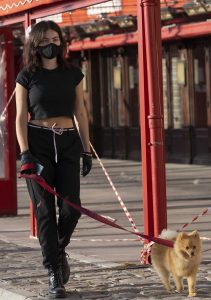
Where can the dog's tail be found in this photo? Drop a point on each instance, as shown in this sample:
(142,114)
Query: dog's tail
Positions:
(168,234)
(158,251)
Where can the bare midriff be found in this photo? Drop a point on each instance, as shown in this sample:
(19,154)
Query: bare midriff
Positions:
(57,122)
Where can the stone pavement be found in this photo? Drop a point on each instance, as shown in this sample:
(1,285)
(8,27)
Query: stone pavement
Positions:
(105,261)
(21,273)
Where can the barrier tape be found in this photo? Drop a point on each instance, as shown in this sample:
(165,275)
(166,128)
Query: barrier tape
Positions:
(145,253)
(146,250)
(102,240)
(40,180)
(2,116)
(128,215)
(203,213)
(206,250)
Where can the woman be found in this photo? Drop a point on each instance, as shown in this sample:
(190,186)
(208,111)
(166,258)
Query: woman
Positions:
(50,90)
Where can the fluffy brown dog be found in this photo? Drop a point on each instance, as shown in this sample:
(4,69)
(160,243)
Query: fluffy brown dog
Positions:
(181,261)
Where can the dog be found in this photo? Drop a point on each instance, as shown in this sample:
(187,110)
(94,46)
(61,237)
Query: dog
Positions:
(181,261)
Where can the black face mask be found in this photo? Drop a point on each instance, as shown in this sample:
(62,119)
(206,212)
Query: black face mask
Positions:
(50,51)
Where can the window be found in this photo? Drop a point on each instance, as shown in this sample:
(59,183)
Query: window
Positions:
(177,104)
(107,7)
(165,98)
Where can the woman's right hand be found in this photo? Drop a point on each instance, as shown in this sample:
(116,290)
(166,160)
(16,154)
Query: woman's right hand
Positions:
(30,164)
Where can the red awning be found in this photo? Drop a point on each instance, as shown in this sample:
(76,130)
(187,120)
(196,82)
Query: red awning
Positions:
(8,7)
(105,42)
(176,32)
(186,31)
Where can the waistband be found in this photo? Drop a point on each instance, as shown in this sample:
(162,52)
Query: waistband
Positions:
(55,131)
(51,128)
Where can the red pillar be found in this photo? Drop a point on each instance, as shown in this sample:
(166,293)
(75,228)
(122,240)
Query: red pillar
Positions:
(8,182)
(151,116)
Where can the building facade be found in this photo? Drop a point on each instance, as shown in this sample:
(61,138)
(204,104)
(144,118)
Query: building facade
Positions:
(102,39)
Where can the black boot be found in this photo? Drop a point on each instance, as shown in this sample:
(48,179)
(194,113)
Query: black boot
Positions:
(56,288)
(65,268)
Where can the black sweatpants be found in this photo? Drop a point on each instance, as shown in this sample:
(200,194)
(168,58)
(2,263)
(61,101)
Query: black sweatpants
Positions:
(59,152)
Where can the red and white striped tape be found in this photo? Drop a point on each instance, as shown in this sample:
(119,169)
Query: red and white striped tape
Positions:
(115,191)
(3,113)
(145,253)
(102,240)
(128,215)
(203,213)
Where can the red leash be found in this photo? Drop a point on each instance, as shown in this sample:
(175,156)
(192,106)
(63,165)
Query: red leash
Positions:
(40,180)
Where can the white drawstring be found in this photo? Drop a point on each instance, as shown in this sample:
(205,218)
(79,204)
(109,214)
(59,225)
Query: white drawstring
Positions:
(58,131)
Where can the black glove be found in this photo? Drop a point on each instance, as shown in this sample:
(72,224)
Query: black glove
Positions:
(87,163)
(28,158)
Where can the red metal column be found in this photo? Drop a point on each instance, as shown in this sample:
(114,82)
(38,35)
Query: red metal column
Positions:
(151,116)
(8,182)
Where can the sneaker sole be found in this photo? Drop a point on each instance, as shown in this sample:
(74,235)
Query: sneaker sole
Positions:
(57,296)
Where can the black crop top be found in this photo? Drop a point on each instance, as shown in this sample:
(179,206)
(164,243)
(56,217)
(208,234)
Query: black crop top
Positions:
(51,93)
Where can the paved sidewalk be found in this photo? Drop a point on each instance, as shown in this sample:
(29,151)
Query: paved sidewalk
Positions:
(21,272)
(105,261)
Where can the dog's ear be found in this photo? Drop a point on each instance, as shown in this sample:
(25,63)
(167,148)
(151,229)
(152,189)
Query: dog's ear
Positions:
(194,233)
(182,235)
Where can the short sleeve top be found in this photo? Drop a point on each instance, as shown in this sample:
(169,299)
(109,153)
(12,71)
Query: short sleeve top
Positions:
(51,93)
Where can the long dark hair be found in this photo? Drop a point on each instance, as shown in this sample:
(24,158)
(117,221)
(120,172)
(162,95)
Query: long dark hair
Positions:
(32,59)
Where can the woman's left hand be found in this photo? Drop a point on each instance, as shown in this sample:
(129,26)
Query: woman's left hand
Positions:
(87,163)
